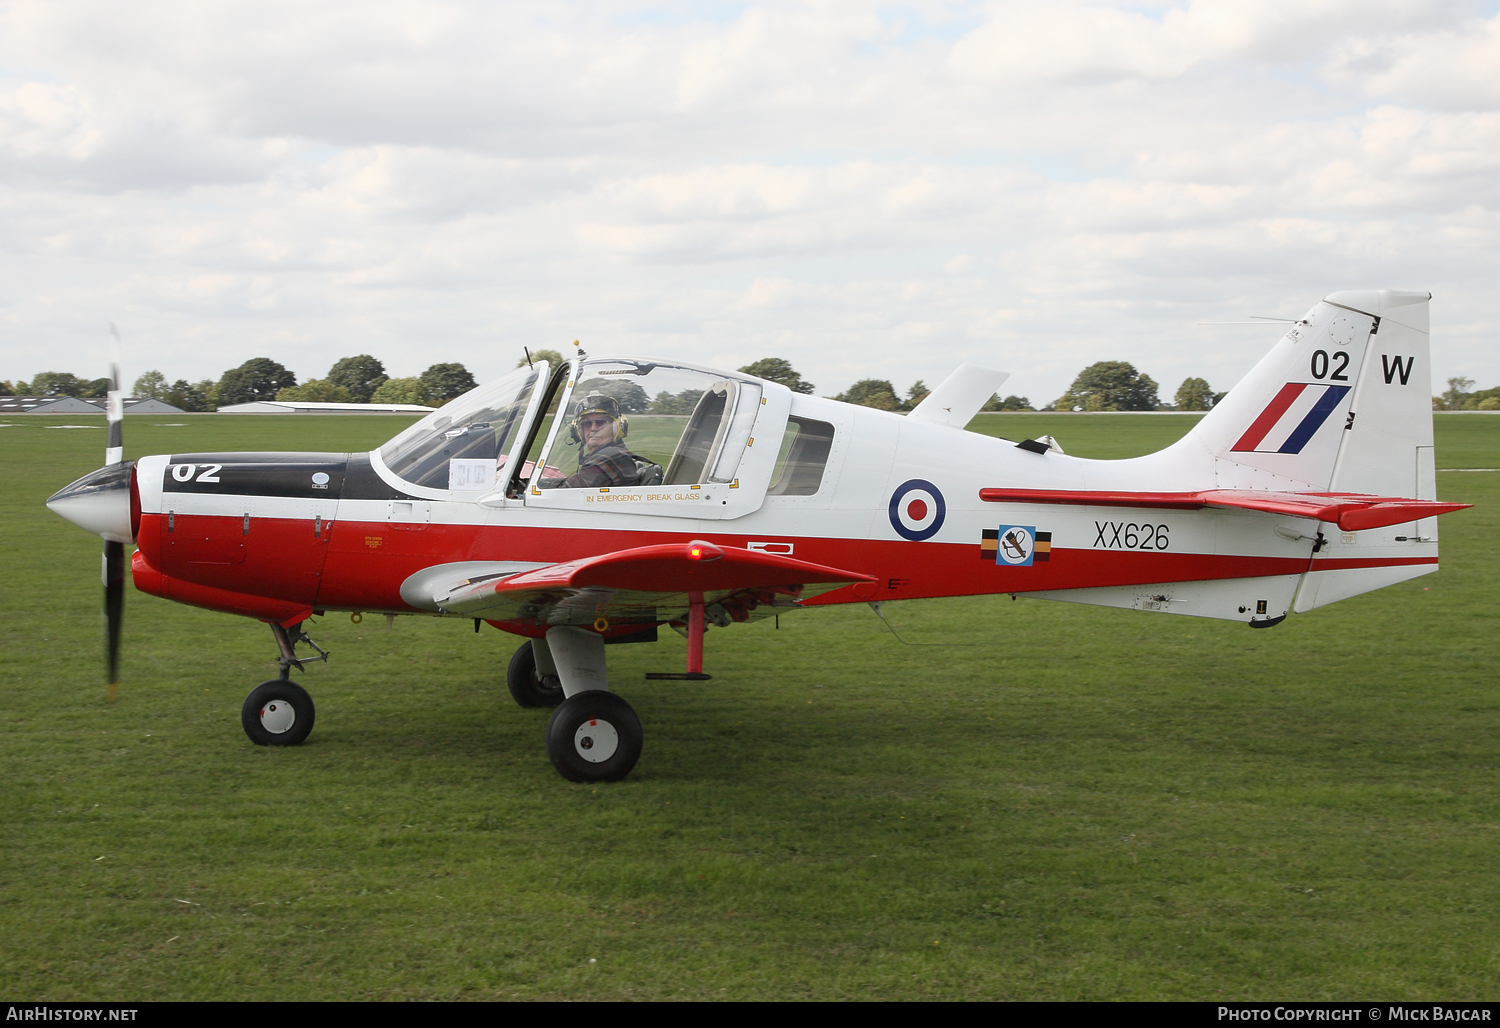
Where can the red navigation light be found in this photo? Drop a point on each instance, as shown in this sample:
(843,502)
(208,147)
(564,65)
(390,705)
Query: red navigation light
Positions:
(700,549)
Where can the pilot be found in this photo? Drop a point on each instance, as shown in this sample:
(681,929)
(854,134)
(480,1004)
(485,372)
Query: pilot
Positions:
(600,430)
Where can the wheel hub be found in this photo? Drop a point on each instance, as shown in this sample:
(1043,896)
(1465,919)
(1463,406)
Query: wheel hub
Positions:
(596,740)
(277,717)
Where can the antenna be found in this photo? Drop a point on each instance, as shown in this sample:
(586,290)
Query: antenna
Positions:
(1259,319)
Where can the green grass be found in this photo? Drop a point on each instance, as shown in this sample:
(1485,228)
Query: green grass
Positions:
(1102,437)
(1025,800)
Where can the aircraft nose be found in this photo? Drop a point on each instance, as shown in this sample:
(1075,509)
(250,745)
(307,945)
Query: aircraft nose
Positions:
(98,502)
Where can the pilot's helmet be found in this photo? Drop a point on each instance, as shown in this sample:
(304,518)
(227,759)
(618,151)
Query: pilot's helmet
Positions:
(594,405)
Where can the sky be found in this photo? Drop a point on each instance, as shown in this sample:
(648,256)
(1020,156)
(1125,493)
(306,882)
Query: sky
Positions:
(867,190)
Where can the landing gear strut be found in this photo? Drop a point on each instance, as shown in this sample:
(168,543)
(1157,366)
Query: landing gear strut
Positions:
(286,642)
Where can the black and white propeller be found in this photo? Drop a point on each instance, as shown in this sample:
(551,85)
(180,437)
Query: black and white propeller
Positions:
(100,502)
(114,551)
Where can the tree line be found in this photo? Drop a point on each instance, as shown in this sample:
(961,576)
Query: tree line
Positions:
(358,379)
(1102,386)
(1105,386)
(1459,396)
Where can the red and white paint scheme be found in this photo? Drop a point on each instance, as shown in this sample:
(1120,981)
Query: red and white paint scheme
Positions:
(1312,481)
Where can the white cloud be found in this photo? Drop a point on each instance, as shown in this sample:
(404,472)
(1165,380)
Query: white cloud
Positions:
(1449,67)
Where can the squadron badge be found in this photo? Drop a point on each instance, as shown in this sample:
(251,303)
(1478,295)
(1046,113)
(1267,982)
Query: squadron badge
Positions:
(1019,546)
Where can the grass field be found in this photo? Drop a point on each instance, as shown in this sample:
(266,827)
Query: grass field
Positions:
(1025,800)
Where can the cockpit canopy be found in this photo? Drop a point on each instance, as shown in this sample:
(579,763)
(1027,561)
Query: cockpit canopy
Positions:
(680,425)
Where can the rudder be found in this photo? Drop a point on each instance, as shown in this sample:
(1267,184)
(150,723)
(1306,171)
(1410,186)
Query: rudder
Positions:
(1388,447)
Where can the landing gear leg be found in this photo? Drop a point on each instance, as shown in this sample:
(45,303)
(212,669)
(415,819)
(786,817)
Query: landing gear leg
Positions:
(593,735)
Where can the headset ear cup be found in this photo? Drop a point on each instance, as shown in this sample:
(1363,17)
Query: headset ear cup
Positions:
(573,434)
(624,428)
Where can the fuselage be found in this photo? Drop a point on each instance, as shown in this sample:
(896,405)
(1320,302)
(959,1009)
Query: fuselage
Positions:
(276,535)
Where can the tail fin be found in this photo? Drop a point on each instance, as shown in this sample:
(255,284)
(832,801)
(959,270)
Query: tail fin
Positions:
(1341,404)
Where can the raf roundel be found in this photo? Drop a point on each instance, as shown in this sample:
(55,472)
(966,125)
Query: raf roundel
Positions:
(917,510)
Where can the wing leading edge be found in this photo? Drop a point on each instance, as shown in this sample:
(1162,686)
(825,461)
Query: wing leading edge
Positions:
(1352,513)
(643,584)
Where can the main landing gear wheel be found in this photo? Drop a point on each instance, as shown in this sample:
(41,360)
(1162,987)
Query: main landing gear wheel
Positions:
(594,737)
(528,688)
(277,713)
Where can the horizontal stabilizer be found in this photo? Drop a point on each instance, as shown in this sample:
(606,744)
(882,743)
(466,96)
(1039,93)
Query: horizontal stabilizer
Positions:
(1351,513)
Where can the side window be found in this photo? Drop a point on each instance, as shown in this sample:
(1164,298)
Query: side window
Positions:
(704,428)
(804,455)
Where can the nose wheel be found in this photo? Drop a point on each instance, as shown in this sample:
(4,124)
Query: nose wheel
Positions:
(277,713)
(594,737)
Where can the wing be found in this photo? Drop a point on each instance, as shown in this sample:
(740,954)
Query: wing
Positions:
(647,584)
(1352,513)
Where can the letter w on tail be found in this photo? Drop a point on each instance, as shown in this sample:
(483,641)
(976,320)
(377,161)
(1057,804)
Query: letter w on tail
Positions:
(1391,370)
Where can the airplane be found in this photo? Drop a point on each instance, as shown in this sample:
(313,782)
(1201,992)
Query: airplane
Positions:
(594,505)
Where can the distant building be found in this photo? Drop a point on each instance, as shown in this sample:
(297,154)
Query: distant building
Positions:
(149,405)
(308,407)
(74,405)
(47,405)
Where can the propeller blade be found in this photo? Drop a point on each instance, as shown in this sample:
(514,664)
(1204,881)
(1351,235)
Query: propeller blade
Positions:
(114,449)
(114,553)
(114,610)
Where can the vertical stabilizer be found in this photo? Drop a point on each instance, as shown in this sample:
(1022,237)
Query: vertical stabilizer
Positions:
(1329,407)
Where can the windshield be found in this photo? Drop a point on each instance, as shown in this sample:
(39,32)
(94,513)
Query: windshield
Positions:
(460,445)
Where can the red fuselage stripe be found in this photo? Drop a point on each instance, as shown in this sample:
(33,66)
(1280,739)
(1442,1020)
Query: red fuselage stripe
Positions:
(362,565)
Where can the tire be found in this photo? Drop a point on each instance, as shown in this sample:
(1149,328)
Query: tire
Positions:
(594,737)
(528,688)
(277,713)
